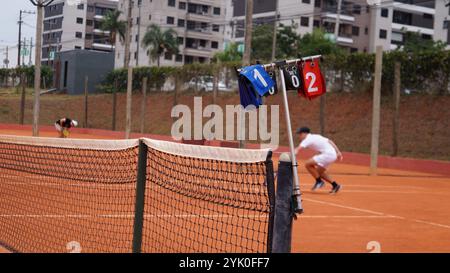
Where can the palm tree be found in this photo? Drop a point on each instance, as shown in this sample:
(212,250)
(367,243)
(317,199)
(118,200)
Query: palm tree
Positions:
(115,26)
(158,42)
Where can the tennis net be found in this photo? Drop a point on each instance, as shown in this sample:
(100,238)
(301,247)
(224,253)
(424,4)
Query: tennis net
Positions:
(62,195)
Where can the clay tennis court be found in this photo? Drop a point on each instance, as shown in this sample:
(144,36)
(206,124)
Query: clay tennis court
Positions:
(396,211)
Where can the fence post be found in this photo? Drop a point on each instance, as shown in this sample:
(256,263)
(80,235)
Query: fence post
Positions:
(374,147)
(397,86)
(143,103)
(86,94)
(140,197)
(322,114)
(114,108)
(22,98)
(282,233)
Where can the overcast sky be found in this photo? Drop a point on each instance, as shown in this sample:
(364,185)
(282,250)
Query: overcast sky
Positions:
(9,29)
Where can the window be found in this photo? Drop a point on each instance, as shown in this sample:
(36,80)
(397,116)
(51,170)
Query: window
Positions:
(168,56)
(137,38)
(77,47)
(80,6)
(355,31)
(171,3)
(150,17)
(180,40)
(215,28)
(182,5)
(306,1)
(79,34)
(384,13)
(138,20)
(89,22)
(88,36)
(383,34)
(304,21)
(214,44)
(356,9)
(316,23)
(366,30)
(170,20)
(90,8)
(181,22)
(317,3)
(79,20)
(216,11)
(427,16)
(179,58)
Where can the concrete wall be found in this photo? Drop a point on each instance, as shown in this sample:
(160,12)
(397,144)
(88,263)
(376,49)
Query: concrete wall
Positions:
(81,63)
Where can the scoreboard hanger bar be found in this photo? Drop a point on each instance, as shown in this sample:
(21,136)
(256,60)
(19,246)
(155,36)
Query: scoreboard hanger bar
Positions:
(286,62)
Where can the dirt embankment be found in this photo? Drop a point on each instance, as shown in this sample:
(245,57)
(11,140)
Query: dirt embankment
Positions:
(424,120)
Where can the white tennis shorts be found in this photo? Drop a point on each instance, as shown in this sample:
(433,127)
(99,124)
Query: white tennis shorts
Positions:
(58,127)
(324,160)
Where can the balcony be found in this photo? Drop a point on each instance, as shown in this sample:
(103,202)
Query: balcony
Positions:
(402,27)
(198,52)
(413,8)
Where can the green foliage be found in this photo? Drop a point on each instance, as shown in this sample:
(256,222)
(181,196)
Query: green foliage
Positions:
(46,74)
(230,54)
(316,43)
(415,43)
(262,40)
(159,42)
(115,26)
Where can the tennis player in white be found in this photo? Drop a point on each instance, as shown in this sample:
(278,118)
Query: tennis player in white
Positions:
(327,153)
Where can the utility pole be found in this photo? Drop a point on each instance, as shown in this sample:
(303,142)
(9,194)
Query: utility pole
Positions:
(130,70)
(19,46)
(248,32)
(139,33)
(24,51)
(40,4)
(246,61)
(6,61)
(31,50)
(338,19)
(275,29)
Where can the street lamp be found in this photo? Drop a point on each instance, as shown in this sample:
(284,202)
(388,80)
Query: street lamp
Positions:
(37,67)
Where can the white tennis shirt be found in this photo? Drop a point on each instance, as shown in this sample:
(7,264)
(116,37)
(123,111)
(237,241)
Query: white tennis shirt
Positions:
(317,143)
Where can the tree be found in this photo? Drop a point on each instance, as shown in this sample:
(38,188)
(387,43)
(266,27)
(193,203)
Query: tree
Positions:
(230,54)
(287,40)
(115,26)
(316,43)
(415,42)
(159,42)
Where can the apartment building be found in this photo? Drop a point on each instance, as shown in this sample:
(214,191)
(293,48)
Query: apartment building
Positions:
(199,25)
(361,26)
(69,25)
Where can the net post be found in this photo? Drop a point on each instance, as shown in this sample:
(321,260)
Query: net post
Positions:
(270,183)
(282,236)
(140,197)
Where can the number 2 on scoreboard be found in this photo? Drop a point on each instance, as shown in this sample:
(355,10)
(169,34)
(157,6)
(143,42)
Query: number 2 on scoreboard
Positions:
(311,88)
(258,76)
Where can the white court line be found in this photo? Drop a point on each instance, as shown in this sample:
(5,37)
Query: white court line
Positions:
(379,213)
(376,186)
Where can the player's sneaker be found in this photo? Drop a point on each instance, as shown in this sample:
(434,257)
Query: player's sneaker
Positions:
(336,189)
(318,185)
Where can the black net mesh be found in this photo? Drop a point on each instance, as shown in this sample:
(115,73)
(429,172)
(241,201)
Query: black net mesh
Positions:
(203,205)
(59,199)
(55,199)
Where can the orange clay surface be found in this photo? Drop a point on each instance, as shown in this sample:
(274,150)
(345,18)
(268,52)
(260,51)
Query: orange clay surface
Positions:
(395,211)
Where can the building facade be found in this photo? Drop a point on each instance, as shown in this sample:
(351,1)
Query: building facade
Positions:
(199,25)
(361,26)
(68,26)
